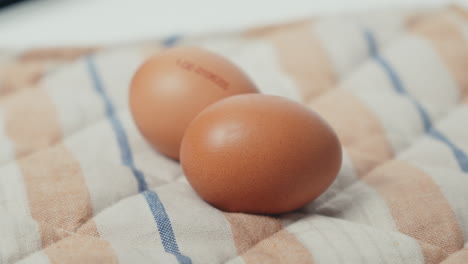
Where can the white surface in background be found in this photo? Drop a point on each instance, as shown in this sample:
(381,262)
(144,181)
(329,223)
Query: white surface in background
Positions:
(71,22)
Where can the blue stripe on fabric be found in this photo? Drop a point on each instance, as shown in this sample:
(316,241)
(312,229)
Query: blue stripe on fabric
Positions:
(462,158)
(125,152)
(157,208)
(371,43)
(164,226)
(397,84)
(171,41)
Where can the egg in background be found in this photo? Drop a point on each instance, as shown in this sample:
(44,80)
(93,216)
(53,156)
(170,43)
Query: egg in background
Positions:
(169,89)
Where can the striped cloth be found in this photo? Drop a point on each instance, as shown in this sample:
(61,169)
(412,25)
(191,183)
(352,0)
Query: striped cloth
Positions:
(78,183)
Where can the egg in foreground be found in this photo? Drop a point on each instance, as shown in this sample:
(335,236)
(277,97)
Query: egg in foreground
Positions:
(259,154)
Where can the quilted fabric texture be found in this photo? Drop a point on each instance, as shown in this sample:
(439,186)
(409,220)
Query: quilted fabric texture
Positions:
(78,183)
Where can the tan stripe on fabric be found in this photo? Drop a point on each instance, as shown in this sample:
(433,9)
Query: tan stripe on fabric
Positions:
(15,75)
(84,246)
(79,249)
(57,192)
(88,229)
(417,205)
(31,121)
(282,247)
(432,254)
(65,53)
(268,29)
(301,56)
(250,231)
(460,11)
(358,129)
(448,41)
(459,257)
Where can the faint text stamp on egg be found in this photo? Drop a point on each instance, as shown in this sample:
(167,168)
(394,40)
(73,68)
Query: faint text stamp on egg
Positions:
(205,73)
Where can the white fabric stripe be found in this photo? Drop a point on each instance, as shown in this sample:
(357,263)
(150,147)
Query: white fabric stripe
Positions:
(19,233)
(359,203)
(455,127)
(397,115)
(37,258)
(115,69)
(258,59)
(13,197)
(19,236)
(368,78)
(336,241)
(7,56)
(386,25)
(131,223)
(351,199)
(141,254)
(453,184)
(429,151)
(333,32)
(108,180)
(76,103)
(97,151)
(193,220)
(93,142)
(89,136)
(423,73)
(157,168)
(94,145)
(345,178)
(81,109)
(437,160)
(237,260)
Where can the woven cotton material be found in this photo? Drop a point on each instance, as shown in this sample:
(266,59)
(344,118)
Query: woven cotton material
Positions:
(78,183)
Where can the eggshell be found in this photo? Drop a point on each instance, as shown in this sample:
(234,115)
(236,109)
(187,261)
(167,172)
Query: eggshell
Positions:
(171,88)
(259,154)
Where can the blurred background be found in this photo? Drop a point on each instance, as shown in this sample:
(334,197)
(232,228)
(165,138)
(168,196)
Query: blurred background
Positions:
(39,23)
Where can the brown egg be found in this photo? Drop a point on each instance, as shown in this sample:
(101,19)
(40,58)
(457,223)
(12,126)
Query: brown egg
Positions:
(171,88)
(259,154)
